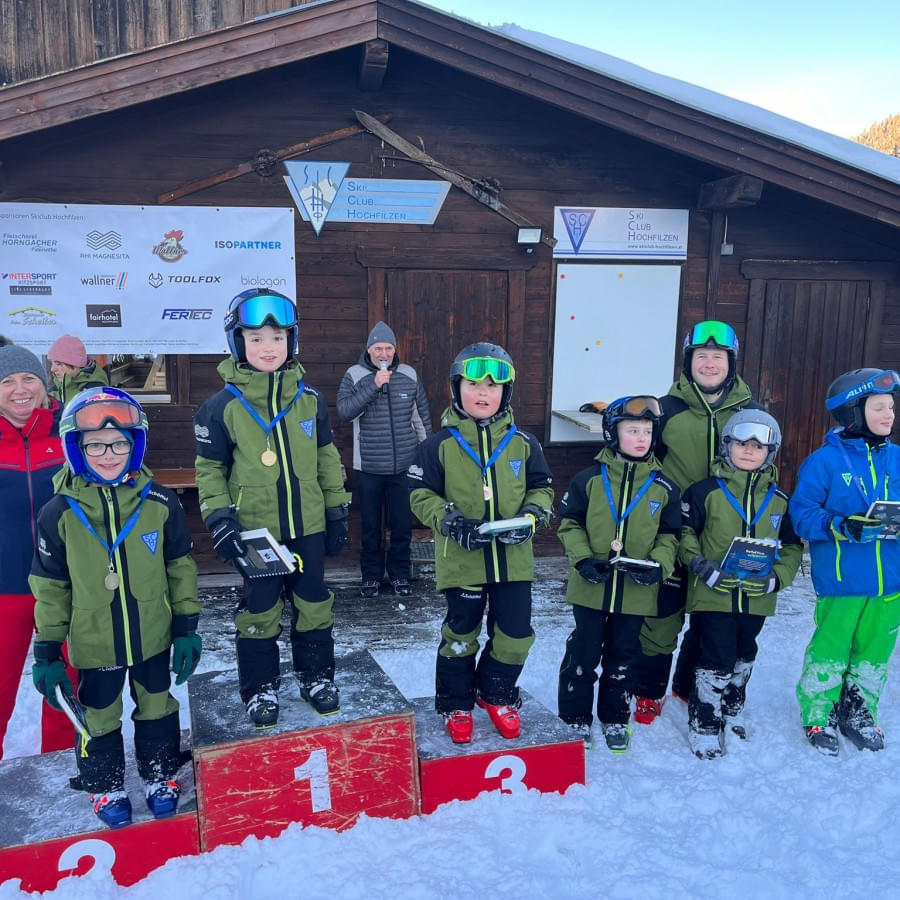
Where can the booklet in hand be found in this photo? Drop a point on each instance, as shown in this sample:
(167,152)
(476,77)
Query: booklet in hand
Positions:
(750,556)
(500,526)
(887,512)
(630,562)
(265,556)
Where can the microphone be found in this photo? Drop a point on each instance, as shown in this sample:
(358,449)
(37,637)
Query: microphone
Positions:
(383,366)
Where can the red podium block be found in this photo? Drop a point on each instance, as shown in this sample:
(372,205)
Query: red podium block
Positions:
(310,769)
(49,832)
(545,757)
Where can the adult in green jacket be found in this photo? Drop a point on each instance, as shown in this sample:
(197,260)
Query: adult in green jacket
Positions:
(71,369)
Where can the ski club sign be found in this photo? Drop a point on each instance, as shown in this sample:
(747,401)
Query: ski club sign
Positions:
(596,232)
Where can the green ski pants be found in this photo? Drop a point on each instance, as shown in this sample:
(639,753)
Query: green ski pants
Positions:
(852,643)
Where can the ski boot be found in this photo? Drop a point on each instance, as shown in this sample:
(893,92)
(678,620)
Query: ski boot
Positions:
(583,730)
(617,736)
(459,725)
(824,739)
(705,745)
(162,798)
(505,717)
(322,695)
(112,808)
(646,710)
(262,707)
(856,722)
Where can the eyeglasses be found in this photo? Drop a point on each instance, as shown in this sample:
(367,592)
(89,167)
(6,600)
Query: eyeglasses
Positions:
(266,309)
(479,367)
(640,407)
(98,448)
(754,431)
(884,383)
(719,333)
(99,412)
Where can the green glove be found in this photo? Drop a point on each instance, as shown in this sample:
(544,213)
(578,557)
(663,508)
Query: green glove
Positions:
(49,670)
(186,652)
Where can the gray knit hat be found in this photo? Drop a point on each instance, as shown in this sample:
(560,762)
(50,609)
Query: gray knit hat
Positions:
(15,359)
(381,334)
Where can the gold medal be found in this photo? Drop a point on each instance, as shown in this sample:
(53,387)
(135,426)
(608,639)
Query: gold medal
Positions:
(112,580)
(616,546)
(268,457)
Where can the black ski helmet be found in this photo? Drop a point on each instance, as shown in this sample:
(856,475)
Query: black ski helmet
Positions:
(712,333)
(255,308)
(473,363)
(847,395)
(639,407)
(751,424)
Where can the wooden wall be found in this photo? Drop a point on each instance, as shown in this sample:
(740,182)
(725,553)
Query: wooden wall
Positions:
(42,37)
(540,156)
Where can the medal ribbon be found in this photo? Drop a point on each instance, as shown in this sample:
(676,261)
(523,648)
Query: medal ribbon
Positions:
(733,501)
(473,455)
(257,417)
(612,503)
(125,530)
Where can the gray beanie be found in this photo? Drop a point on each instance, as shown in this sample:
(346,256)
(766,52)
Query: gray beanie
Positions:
(381,334)
(15,359)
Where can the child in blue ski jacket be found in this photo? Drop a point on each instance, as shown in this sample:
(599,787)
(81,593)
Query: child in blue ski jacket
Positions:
(855,562)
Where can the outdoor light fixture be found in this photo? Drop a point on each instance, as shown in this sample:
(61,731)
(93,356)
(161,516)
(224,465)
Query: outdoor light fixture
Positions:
(528,236)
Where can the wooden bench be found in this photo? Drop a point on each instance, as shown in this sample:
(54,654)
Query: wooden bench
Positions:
(177,479)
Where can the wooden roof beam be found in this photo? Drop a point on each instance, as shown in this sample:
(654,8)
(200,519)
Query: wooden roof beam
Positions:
(731,192)
(373,65)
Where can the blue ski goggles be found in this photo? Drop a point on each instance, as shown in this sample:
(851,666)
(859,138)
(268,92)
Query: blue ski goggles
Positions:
(712,332)
(480,367)
(884,383)
(265,309)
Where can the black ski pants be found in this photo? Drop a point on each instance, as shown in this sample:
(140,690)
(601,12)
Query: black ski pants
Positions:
(377,493)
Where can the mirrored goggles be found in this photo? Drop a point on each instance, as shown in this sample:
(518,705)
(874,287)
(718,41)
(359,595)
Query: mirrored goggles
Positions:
(266,309)
(480,367)
(642,406)
(100,413)
(883,383)
(754,431)
(719,333)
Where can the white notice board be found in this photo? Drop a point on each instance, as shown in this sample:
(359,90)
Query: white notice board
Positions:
(614,335)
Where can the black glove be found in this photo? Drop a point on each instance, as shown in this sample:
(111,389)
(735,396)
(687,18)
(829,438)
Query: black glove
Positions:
(541,515)
(712,576)
(49,670)
(860,529)
(759,585)
(226,534)
(464,531)
(593,570)
(187,646)
(336,528)
(642,574)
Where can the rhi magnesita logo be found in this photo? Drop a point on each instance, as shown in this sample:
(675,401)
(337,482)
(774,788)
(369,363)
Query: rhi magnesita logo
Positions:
(169,249)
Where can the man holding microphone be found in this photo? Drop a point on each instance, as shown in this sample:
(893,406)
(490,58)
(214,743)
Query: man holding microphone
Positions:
(387,404)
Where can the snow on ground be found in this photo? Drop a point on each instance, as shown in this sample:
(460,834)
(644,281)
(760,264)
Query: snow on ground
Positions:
(773,818)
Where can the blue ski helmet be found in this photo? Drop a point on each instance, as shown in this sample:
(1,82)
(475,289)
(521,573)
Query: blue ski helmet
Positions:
(255,308)
(639,407)
(846,399)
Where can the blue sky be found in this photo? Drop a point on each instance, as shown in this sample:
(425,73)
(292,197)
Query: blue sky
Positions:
(833,65)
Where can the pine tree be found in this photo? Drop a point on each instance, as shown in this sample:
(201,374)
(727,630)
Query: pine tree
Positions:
(883,135)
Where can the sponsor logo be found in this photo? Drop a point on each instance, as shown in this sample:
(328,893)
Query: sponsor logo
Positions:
(100,316)
(169,313)
(151,539)
(195,279)
(169,249)
(28,276)
(29,284)
(155,279)
(104,240)
(262,281)
(116,282)
(247,245)
(30,289)
(32,316)
(34,243)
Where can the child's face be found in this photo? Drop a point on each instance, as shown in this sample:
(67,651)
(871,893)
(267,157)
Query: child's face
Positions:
(266,347)
(106,452)
(61,369)
(635,437)
(879,410)
(709,367)
(480,399)
(748,456)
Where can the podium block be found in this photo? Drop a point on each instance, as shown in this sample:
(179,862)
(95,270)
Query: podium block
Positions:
(49,832)
(545,757)
(310,769)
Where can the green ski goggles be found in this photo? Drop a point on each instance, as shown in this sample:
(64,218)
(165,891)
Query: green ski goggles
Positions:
(480,367)
(718,333)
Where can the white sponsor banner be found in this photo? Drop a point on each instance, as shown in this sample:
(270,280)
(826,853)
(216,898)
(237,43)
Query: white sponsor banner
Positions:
(136,279)
(597,232)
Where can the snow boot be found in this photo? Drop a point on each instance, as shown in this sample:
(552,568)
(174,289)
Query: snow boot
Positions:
(646,710)
(112,808)
(505,717)
(706,745)
(401,586)
(582,730)
(322,695)
(162,798)
(856,722)
(824,739)
(736,724)
(262,707)
(459,725)
(617,736)
(735,696)
(370,588)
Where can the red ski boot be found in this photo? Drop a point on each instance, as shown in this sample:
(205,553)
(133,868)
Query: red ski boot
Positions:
(505,718)
(646,710)
(459,725)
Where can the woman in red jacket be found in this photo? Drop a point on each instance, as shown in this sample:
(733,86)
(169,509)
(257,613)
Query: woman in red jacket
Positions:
(30,455)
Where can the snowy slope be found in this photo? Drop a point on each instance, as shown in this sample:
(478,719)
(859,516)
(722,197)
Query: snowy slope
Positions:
(772,818)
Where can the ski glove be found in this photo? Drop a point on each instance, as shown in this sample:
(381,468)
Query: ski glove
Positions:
(860,529)
(336,528)
(593,570)
(226,534)
(644,575)
(187,646)
(541,515)
(712,576)
(759,585)
(464,531)
(49,670)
